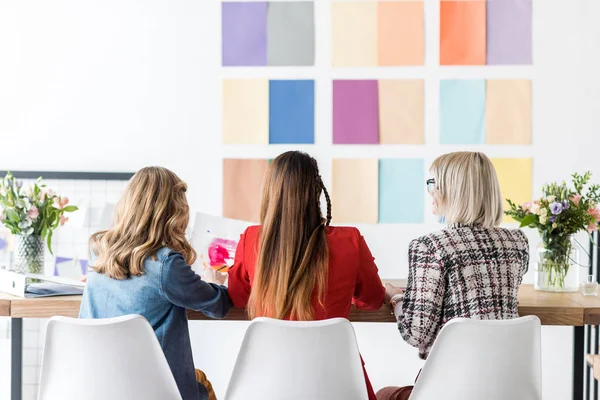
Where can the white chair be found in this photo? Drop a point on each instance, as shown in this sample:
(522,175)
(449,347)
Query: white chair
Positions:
(293,360)
(491,360)
(115,358)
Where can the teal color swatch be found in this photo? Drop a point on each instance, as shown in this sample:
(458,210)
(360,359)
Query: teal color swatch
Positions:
(401,191)
(462,111)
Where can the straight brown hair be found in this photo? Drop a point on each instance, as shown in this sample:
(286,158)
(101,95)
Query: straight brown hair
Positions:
(152,213)
(293,255)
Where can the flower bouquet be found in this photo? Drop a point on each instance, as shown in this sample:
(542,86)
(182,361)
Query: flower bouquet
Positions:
(558,215)
(31,214)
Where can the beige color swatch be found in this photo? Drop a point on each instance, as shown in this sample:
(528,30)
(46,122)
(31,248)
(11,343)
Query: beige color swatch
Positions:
(245,111)
(355,191)
(508,112)
(242,182)
(353,34)
(401,33)
(515,176)
(401,112)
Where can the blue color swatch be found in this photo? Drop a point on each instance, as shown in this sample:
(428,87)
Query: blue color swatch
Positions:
(291,112)
(462,112)
(401,191)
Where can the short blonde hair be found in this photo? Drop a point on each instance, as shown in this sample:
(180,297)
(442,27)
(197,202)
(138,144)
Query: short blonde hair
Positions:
(468,188)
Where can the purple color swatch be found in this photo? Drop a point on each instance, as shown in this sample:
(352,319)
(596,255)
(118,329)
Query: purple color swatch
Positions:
(58,260)
(355,112)
(509,32)
(84,266)
(244,32)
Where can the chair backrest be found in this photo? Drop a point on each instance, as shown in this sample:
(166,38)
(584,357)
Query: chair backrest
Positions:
(289,360)
(114,358)
(474,359)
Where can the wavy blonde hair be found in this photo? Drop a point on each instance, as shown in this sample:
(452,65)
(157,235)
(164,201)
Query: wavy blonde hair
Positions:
(293,254)
(151,214)
(468,188)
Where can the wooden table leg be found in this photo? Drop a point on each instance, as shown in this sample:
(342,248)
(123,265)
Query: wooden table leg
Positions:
(16,363)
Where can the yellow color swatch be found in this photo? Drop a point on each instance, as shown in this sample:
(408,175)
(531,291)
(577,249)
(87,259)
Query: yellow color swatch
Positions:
(401,33)
(242,182)
(245,111)
(355,191)
(508,112)
(353,34)
(401,112)
(515,176)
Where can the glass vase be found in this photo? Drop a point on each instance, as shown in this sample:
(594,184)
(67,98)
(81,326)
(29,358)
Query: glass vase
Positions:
(29,256)
(557,267)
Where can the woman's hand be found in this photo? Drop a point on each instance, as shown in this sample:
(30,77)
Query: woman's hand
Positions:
(211,275)
(391,291)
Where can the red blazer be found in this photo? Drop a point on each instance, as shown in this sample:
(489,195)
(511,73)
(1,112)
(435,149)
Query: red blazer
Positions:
(353,276)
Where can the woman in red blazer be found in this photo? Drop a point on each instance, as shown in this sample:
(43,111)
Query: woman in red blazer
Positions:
(294,265)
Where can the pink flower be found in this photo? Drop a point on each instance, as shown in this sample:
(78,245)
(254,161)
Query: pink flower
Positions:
(594,212)
(61,202)
(526,206)
(33,213)
(2,217)
(592,227)
(575,198)
(63,220)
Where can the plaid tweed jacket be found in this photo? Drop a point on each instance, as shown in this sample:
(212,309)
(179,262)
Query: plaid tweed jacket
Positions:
(461,271)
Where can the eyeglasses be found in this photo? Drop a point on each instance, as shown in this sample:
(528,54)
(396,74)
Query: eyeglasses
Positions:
(430,185)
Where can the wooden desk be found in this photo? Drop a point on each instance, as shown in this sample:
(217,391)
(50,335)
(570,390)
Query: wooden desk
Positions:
(568,309)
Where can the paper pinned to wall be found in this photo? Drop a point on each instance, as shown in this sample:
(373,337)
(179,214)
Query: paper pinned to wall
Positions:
(401,191)
(291,34)
(353,34)
(244,33)
(516,180)
(245,113)
(462,111)
(508,112)
(509,32)
(354,191)
(401,33)
(401,111)
(355,112)
(463,32)
(242,182)
(292,112)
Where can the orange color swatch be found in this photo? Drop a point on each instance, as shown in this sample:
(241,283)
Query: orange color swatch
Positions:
(462,32)
(242,182)
(401,33)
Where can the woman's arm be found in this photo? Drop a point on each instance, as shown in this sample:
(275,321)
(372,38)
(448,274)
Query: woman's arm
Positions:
(239,281)
(369,291)
(184,288)
(421,316)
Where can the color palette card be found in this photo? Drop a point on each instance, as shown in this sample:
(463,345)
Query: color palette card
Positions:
(268,33)
(259,111)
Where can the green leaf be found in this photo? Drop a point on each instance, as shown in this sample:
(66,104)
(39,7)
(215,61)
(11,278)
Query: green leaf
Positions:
(49,241)
(12,216)
(44,231)
(528,220)
(70,209)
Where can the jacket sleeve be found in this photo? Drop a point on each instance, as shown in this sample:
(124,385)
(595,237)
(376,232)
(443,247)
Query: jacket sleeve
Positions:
(184,288)
(239,280)
(369,291)
(421,317)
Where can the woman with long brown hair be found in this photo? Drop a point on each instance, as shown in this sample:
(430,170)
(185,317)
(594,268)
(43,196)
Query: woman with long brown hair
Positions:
(294,265)
(142,266)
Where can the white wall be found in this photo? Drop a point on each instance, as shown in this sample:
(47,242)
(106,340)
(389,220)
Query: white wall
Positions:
(118,84)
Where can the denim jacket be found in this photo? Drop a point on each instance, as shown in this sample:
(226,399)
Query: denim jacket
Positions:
(161,294)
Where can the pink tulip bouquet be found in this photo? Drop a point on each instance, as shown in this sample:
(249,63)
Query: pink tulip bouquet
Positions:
(559,214)
(32,213)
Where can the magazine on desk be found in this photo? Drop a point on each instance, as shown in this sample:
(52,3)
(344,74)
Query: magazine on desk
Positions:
(34,285)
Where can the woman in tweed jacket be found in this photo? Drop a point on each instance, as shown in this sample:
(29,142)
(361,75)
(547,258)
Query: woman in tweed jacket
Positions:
(471,269)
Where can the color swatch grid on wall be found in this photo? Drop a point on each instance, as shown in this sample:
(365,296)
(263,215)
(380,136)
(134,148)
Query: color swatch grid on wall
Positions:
(259,111)
(268,33)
